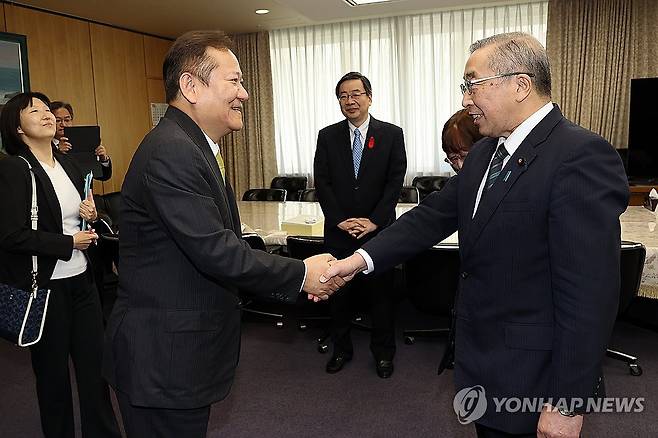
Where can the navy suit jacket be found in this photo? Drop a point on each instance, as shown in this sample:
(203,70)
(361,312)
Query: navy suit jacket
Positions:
(539,285)
(373,194)
(173,338)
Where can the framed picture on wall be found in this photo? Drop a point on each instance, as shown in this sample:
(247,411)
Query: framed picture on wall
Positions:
(14,75)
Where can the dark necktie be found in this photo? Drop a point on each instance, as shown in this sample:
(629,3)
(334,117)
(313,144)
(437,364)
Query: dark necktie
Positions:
(496,166)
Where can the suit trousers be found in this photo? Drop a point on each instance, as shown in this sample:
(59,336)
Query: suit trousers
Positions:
(487,432)
(142,422)
(379,291)
(73,328)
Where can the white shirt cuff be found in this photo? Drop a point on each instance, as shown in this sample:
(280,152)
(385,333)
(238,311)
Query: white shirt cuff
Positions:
(301,288)
(368,259)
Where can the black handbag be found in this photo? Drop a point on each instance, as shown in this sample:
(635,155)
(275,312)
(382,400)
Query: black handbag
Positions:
(23,313)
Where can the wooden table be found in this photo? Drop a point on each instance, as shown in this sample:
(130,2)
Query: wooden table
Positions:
(637,224)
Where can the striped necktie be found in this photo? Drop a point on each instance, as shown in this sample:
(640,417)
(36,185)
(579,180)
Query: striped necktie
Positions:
(496,166)
(357,151)
(220,163)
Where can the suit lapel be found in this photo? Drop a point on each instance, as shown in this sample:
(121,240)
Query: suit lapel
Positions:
(196,134)
(516,166)
(345,148)
(367,156)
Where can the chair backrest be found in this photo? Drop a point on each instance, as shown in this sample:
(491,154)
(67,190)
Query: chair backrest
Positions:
(264,195)
(255,241)
(631,264)
(429,184)
(301,247)
(292,185)
(308,195)
(113,207)
(409,195)
(432,278)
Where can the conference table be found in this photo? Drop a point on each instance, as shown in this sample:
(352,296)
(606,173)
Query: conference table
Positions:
(264,218)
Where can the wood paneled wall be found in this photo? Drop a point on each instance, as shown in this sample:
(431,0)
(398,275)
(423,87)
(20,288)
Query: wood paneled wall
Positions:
(108,75)
(2,18)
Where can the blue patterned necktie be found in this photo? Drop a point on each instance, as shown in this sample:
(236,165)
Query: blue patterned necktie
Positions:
(496,166)
(357,151)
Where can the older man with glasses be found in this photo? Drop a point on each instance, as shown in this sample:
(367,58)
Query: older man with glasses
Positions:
(537,207)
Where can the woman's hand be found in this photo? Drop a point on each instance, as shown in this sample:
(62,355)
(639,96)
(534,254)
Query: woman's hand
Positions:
(82,239)
(88,208)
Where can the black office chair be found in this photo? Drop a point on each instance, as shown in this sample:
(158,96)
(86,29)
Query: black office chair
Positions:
(301,247)
(429,184)
(113,208)
(409,195)
(291,184)
(432,279)
(632,264)
(264,195)
(308,195)
(249,304)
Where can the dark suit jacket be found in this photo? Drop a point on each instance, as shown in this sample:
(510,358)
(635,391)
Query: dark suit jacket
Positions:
(540,264)
(105,171)
(18,242)
(174,335)
(373,194)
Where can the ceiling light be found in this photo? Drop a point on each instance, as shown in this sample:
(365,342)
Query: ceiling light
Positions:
(262,11)
(364,2)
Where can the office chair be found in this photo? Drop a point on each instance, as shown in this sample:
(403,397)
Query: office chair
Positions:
(301,247)
(112,206)
(292,184)
(429,184)
(632,264)
(264,195)
(308,195)
(248,305)
(409,195)
(432,279)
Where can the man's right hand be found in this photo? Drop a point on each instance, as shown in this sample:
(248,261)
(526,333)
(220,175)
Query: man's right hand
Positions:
(64,146)
(315,267)
(345,269)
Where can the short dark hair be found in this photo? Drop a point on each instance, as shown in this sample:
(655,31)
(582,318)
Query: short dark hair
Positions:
(188,54)
(10,120)
(57,104)
(355,75)
(459,133)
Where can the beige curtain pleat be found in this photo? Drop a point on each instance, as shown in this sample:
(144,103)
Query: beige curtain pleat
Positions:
(250,154)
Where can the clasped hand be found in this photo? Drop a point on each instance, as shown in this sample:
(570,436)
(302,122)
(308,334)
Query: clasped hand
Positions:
(316,266)
(358,227)
(339,272)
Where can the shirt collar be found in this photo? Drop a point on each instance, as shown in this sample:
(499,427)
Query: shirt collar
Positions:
(363,128)
(213,146)
(515,139)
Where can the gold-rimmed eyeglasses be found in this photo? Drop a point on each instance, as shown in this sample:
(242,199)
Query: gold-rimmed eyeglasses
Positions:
(467,85)
(353,95)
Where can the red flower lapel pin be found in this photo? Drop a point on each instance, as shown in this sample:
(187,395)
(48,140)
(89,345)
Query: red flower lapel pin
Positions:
(371,143)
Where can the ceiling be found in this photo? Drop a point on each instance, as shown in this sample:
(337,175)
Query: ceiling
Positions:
(171,18)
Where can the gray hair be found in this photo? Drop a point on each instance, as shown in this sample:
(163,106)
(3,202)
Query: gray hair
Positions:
(518,51)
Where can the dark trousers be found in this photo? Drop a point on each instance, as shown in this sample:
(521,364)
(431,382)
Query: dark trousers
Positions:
(487,432)
(379,291)
(73,328)
(141,422)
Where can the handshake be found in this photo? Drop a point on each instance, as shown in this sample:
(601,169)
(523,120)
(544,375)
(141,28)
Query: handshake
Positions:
(325,274)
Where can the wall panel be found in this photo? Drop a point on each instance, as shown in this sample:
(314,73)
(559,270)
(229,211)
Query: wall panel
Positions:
(121,90)
(59,56)
(155,50)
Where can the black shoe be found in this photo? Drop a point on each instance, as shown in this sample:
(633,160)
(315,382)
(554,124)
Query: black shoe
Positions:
(337,362)
(384,368)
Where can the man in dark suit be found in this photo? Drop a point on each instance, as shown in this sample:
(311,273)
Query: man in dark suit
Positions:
(173,339)
(359,168)
(537,206)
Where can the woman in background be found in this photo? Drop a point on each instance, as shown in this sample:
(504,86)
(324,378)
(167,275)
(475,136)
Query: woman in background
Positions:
(73,325)
(459,134)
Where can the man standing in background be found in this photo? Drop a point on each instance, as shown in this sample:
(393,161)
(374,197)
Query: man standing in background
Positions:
(359,169)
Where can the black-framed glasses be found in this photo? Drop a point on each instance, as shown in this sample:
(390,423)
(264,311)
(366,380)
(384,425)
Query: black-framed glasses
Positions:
(453,158)
(467,85)
(353,95)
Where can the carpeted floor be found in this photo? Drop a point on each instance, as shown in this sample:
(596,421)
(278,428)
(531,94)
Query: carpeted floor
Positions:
(281,390)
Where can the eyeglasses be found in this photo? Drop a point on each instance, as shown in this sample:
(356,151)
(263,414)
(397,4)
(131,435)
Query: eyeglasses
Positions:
(452,159)
(353,95)
(467,86)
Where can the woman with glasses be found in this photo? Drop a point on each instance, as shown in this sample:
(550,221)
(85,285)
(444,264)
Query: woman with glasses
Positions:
(459,134)
(73,326)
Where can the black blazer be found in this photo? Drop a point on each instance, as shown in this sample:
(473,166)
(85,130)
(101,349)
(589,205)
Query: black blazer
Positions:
(539,289)
(17,240)
(173,338)
(373,194)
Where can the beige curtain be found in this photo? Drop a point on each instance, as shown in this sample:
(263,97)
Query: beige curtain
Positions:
(589,47)
(645,47)
(250,154)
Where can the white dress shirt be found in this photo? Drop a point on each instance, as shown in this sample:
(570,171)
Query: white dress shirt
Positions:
(512,143)
(364,131)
